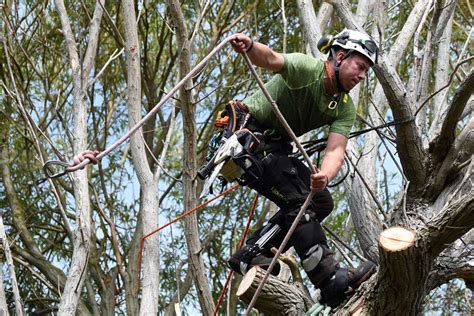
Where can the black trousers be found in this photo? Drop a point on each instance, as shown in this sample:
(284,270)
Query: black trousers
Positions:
(286,182)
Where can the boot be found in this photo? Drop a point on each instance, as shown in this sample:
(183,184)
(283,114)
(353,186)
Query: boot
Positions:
(344,283)
(361,274)
(243,260)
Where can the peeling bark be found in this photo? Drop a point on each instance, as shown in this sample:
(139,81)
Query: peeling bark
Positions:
(454,262)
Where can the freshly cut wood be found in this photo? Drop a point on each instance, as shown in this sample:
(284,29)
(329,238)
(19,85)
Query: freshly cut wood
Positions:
(276,298)
(397,238)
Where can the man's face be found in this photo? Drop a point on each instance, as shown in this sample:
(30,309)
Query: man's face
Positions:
(352,70)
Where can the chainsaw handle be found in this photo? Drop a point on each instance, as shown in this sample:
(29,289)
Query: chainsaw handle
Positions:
(206,170)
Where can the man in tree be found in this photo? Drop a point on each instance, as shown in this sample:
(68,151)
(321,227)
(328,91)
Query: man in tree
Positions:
(310,93)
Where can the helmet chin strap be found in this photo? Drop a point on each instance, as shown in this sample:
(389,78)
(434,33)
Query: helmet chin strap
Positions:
(337,65)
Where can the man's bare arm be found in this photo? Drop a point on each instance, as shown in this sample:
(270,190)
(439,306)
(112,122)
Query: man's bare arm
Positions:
(261,55)
(333,159)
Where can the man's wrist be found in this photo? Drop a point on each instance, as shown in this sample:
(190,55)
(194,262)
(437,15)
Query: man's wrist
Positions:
(327,180)
(250,47)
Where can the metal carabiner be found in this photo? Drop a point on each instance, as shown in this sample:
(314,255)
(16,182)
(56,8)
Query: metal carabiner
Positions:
(56,163)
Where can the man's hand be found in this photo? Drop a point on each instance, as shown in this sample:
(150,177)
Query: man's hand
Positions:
(241,43)
(319,181)
(87,154)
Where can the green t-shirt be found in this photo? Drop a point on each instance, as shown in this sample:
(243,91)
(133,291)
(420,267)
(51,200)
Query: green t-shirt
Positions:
(299,93)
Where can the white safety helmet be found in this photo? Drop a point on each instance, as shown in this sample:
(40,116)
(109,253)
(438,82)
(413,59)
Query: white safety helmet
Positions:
(359,42)
(352,41)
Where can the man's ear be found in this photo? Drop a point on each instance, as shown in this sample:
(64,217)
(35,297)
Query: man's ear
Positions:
(340,55)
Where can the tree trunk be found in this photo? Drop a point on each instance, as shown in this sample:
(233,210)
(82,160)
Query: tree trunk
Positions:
(3,299)
(276,298)
(6,248)
(81,239)
(190,164)
(148,184)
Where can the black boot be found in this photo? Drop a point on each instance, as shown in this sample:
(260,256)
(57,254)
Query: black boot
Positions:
(344,283)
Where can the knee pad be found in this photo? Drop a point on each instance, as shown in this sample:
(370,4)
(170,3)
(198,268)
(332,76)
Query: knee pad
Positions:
(306,235)
(319,264)
(313,257)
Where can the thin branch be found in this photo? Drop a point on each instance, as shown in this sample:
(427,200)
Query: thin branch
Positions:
(445,86)
(111,58)
(372,194)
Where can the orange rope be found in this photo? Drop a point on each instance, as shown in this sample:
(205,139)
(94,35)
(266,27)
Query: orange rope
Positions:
(242,240)
(142,240)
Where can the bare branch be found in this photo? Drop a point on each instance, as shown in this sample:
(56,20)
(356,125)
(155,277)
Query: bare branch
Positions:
(189,162)
(454,262)
(440,145)
(450,224)
(93,40)
(148,184)
(461,149)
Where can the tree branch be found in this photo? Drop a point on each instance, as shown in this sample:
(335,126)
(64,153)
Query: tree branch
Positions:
(184,287)
(440,145)
(189,162)
(450,224)
(461,150)
(148,184)
(454,262)
(89,58)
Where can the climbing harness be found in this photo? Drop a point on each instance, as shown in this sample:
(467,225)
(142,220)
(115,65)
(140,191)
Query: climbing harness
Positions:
(308,200)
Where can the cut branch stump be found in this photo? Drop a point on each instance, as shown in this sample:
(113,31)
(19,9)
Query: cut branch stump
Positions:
(396,246)
(276,298)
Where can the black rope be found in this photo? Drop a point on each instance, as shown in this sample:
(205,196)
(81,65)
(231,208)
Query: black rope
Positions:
(318,145)
(312,146)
